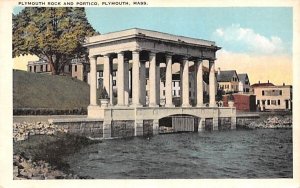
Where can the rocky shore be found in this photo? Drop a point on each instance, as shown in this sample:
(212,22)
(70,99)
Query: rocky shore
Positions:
(22,131)
(39,149)
(25,168)
(272,122)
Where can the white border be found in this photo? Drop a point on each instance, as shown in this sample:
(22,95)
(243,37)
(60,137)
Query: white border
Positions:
(6,152)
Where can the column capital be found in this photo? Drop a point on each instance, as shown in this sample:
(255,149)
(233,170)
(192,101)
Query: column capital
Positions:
(198,59)
(212,60)
(93,56)
(136,51)
(120,52)
(151,53)
(169,54)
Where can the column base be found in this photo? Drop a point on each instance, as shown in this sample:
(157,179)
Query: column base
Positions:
(213,105)
(136,105)
(153,105)
(186,105)
(169,105)
(200,105)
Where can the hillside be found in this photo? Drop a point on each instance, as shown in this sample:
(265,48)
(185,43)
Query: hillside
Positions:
(31,90)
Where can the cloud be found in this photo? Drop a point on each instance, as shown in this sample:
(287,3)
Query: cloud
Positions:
(240,39)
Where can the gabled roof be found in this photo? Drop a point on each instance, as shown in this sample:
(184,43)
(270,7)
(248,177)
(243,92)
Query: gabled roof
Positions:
(226,76)
(243,77)
(262,85)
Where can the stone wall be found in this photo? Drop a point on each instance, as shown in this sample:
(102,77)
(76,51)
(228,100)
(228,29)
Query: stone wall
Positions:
(147,127)
(224,123)
(245,121)
(122,128)
(92,129)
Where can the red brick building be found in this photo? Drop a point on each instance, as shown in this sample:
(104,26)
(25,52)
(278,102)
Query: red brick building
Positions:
(242,102)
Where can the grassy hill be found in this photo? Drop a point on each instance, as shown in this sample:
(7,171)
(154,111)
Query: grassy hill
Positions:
(32,90)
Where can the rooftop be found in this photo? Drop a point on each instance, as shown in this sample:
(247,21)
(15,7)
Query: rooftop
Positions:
(137,32)
(225,76)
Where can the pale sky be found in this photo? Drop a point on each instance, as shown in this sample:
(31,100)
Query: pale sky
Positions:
(257,41)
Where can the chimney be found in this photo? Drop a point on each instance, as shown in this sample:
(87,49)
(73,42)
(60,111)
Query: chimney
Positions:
(259,81)
(219,70)
(268,81)
(283,84)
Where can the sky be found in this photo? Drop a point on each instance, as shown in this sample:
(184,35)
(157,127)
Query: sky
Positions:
(257,41)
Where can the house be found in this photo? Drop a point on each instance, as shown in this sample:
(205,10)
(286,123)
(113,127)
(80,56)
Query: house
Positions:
(228,81)
(273,97)
(77,68)
(244,84)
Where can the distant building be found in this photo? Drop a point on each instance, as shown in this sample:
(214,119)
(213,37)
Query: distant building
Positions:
(244,84)
(272,97)
(242,102)
(228,81)
(77,68)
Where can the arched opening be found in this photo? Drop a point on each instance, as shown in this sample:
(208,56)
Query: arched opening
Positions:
(178,123)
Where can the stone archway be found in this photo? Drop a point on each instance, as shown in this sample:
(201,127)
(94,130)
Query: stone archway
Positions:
(178,123)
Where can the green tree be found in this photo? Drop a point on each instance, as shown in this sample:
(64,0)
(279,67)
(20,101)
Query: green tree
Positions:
(55,35)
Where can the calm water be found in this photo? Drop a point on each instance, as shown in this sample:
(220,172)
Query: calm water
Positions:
(221,154)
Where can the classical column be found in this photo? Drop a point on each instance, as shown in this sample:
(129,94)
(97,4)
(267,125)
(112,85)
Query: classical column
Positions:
(199,82)
(157,83)
(169,85)
(143,83)
(212,83)
(136,78)
(152,80)
(93,81)
(120,79)
(106,75)
(126,82)
(185,83)
(111,94)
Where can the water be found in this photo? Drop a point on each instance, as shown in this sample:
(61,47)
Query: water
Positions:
(262,153)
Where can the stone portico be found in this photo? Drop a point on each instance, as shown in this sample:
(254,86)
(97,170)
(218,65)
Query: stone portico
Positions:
(140,47)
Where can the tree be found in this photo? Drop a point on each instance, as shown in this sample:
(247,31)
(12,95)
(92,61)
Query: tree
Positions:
(55,35)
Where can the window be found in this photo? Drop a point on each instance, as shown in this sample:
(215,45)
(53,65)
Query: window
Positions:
(70,68)
(278,102)
(174,92)
(257,101)
(268,102)
(34,68)
(114,83)
(262,93)
(47,68)
(100,73)
(190,84)
(42,67)
(75,68)
(280,92)
(30,68)
(164,83)
(114,73)
(178,92)
(273,102)
(190,94)
(173,84)
(263,102)
(164,92)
